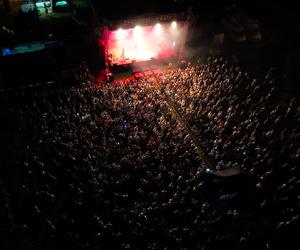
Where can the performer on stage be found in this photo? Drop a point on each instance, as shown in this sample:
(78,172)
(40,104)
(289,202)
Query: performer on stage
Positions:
(123,54)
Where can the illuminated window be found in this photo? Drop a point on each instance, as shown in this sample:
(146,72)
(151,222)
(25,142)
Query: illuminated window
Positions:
(61,4)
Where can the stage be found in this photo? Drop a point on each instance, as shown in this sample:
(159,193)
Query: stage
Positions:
(126,47)
(139,69)
(136,47)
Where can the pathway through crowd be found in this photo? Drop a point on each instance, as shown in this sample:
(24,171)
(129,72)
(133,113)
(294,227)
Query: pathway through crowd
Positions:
(180,119)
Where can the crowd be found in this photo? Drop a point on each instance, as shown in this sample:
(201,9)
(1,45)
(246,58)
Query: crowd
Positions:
(240,123)
(238,119)
(110,167)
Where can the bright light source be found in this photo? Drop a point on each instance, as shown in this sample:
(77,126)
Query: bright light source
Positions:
(174,25)
(137,31)
(60,4)
(158,28)
(137,27)
(120,34)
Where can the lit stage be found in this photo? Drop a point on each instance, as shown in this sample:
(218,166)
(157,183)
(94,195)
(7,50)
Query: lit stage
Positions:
(138,44)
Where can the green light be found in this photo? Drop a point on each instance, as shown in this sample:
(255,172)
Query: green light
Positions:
(61,3)
(42,4)
(39,5)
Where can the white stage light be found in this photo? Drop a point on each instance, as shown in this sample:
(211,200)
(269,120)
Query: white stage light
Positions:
(158,28)
(174,25)
(137,31)
(120,34)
